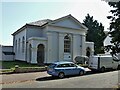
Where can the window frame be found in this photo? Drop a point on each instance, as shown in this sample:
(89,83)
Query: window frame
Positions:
(19,45)
(67,44)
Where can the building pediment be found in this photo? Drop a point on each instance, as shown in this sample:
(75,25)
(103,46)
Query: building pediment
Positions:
(68,22)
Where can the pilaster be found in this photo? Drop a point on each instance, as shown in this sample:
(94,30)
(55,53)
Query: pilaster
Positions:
(61,46)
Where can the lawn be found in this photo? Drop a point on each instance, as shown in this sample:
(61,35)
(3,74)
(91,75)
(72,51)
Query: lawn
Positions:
(11,64)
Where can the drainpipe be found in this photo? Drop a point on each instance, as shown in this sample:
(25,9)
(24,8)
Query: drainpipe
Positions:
(26,45)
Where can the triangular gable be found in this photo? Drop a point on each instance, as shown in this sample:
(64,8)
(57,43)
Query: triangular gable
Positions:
(68,21)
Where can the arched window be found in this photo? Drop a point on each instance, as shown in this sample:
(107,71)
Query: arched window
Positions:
(30,53)
(23,44)
(16,45)
(19,45)
(67,44)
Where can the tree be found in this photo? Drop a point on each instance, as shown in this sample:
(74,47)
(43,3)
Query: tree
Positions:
(95,33)
(115,26)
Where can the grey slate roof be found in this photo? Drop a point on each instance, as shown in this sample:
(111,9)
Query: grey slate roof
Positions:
(47,21)
(40,22)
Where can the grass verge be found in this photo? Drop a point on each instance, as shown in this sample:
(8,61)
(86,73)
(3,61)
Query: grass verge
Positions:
(11,64)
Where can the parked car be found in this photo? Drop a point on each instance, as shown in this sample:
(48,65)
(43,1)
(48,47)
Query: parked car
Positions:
(62,69)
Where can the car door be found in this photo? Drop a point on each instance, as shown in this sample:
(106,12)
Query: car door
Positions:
(65,68)
(74,69)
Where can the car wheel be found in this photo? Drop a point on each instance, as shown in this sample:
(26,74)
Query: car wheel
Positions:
(81,72)
(102,69)
(61,75)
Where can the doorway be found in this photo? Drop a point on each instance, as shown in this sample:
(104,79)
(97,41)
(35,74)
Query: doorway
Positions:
(88,51)
(40,54)
(30,53)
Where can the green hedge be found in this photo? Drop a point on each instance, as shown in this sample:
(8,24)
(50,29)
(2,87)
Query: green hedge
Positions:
(29,69)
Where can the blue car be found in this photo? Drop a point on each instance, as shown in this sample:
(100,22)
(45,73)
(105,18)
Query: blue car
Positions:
(62,69)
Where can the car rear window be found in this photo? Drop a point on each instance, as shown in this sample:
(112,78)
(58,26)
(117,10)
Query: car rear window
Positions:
(72,65)
(52,65)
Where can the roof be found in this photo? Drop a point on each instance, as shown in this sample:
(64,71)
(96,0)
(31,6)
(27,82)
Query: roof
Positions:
(9,53)
(7,46)
(102,56)
(44,22)
(62,62)
(40,22)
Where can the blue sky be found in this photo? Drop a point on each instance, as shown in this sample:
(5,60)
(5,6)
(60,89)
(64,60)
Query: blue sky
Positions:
(16,14)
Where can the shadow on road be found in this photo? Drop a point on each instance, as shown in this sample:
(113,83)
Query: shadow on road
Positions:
(57,78)
(54,78)
(47,78)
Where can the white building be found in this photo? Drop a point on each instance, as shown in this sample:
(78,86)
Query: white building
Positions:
(46,41)
(6,53)
(107,42)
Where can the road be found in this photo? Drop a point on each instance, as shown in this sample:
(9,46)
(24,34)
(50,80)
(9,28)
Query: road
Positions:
(43,80)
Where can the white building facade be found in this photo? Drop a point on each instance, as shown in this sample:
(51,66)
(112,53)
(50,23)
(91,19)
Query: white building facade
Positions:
(47,41)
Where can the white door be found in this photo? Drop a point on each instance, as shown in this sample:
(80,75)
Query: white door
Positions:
(67,56)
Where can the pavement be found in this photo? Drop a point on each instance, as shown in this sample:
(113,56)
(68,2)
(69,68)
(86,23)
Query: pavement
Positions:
(87,70)
(21,77)
(43,80)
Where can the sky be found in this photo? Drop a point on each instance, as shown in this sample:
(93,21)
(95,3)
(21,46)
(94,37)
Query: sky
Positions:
(16,13)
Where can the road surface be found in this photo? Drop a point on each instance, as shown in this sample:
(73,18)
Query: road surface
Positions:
(43,80)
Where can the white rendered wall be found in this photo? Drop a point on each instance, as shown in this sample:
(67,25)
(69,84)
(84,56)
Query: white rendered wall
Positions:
(7,57)
(19,55)
(35,41)
(65,30)
(83,39)
(55,46)
(77,45)
(55,41)
(61,47)
(50,50)
(68,23)
(0,52)
(34,32)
